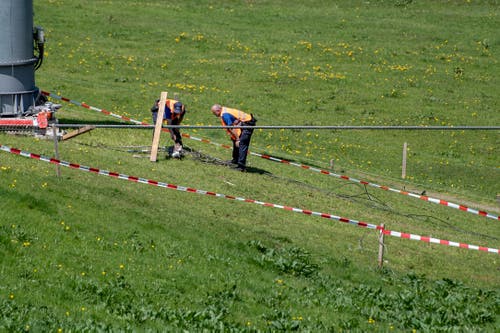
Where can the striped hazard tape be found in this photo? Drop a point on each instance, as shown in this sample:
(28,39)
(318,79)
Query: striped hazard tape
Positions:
(141,180)
(85,105)
(303,166)
(438,241)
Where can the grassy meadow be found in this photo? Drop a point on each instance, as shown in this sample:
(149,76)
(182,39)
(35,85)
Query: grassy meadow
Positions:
(86,252)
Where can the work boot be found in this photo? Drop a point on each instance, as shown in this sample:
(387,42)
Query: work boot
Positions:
(239,168)
(177,151)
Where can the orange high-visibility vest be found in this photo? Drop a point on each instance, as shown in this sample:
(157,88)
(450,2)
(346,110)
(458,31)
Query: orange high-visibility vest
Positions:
(239,115)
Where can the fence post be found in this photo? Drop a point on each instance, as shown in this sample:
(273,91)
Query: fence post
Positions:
(403,173)
(56,149)
(381,247)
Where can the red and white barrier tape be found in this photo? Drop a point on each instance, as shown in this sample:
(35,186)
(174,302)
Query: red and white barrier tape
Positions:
(303,166)
(230,197)
(439,241)
(84,105)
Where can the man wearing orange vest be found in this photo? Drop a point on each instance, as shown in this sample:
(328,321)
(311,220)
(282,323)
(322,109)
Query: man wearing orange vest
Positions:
(240,136)
(174,114)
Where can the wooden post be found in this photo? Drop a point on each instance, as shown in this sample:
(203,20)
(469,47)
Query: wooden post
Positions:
(56,149)
(381,247)
(403,173)
(158,126)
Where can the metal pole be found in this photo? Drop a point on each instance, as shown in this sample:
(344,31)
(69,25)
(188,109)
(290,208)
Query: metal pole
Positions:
(426,128)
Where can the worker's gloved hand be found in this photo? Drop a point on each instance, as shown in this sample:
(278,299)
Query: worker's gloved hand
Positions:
(155,108)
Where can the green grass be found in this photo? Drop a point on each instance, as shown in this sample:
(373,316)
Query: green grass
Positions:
(88,253)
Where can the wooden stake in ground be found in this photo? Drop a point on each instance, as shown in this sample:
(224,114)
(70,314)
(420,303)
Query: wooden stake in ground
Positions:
(158,126)
(381,247)
(56,150)
(405,149)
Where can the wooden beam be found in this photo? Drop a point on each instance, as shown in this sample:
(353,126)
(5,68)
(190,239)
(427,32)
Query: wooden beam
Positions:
(77,132)
(158,126)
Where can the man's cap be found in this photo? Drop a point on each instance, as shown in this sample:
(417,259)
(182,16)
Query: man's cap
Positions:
(178,107)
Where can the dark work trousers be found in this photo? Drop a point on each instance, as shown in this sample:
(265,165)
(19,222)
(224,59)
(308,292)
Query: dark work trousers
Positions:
(175,131)
(240,154)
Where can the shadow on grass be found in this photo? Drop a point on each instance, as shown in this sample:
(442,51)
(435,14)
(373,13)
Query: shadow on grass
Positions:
(258,171)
